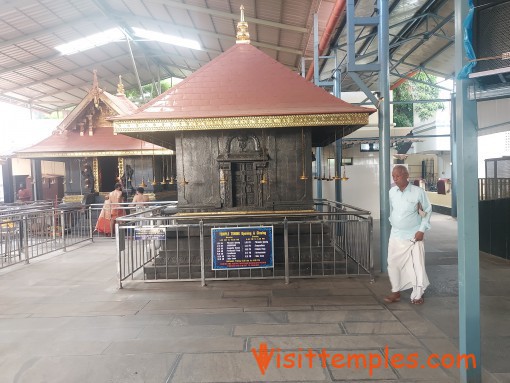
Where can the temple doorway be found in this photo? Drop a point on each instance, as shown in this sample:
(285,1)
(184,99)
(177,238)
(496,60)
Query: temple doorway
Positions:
(109,172)
(243,185)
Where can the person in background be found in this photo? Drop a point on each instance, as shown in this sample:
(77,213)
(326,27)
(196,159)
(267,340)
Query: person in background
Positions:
(410,212)
(140,198)
(23,194)
(111,211)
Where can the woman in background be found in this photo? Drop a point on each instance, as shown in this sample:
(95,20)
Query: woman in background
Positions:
(111,211)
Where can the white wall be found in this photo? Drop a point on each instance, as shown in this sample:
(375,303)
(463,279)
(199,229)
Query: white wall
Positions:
(22,166)
(361,190)
(493,116)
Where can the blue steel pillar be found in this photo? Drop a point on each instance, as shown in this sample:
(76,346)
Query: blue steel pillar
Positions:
(338,143)
(338,170)
(467,209)
(384,130)
(453,155)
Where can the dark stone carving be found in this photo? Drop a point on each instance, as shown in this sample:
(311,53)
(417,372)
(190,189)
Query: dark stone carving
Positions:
(255,170)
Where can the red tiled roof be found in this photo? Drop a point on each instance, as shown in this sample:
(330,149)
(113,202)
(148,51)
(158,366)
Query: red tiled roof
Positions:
(66,139)
(102,140)
(243,81)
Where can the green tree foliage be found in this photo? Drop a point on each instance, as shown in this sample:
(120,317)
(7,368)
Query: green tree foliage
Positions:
(149,92)
(416,90)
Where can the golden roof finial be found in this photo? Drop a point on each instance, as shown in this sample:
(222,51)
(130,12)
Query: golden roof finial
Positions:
(242,36)
(120,86)
(96,90)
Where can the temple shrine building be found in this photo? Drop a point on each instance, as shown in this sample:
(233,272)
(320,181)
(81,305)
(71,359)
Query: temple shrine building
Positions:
(95,157)
(243,127)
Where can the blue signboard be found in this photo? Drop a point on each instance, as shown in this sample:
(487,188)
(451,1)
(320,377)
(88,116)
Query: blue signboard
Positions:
(242,247)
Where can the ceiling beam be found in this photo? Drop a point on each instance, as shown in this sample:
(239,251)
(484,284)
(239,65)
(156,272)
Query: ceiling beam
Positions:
(137,19)
(76,23)
(226,15)
(8,6)
(24,104)
(98,63)
(30,63)
(85,83)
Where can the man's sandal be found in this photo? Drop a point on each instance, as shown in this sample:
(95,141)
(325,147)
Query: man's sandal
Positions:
(418,301)
(393,297)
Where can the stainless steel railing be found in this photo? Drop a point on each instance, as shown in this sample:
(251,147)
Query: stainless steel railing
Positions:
(29,232)
(493,188)
(114,211)
(334,239)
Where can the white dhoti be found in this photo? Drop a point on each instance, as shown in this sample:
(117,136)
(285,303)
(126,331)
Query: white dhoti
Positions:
(406,266)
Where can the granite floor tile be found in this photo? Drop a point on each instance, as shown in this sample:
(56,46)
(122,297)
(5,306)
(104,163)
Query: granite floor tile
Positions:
(502,377)
(375,328)
(324,300)
(229,319)
(189,344)
(170,332)
(335,342)
(148,368)
(339,316)
(359,366)
(240,367)
(205,303)
(289,329)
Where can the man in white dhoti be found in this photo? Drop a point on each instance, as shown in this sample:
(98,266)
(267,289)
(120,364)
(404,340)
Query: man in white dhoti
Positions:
(410,212)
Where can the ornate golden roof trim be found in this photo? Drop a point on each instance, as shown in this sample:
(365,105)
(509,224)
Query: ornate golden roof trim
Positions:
(254,122)
(113,153)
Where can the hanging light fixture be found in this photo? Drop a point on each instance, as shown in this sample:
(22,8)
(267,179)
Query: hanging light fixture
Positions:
(263,180)
(344,176)
(324,161)
(129,179)
(142,184)
(154,182)
(163,181)
(170,180)
(337,177)
(303,174)
(183,182)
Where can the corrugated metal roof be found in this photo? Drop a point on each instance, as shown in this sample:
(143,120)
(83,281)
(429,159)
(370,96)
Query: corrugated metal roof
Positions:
(33,73)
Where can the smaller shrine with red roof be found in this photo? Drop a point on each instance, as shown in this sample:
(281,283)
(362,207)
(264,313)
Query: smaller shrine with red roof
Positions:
(243,127)
(96,158)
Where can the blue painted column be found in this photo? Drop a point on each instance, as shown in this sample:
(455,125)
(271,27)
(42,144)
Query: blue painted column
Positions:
(384,131)
(467,208)
(453,156)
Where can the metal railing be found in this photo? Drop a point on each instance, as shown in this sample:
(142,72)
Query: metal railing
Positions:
(333,239)
(29,231)
(113,211)
(493,188)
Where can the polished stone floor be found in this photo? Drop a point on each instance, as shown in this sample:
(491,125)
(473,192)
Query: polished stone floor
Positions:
(63,319)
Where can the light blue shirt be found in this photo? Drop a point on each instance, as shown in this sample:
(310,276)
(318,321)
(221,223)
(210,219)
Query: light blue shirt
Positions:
(404,217)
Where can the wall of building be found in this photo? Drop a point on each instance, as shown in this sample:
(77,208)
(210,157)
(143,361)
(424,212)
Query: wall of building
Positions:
(202,152)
